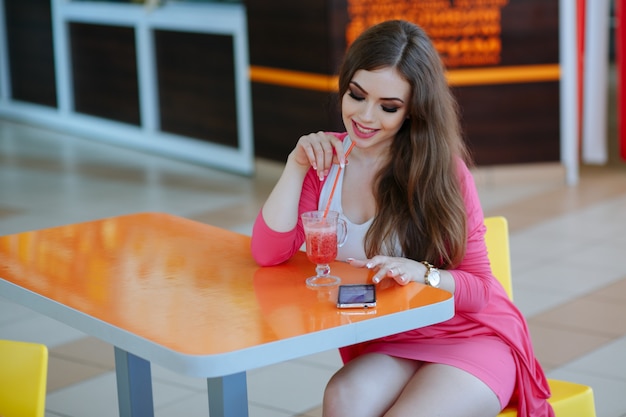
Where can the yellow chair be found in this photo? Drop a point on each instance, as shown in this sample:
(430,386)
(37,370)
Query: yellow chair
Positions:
(568,399)
(23,378)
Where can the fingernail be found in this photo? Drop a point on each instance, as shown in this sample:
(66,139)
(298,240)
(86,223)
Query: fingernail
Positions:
(375,279)
(369,265)
(349,259)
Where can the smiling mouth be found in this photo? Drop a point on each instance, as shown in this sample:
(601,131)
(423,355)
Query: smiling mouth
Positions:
(363,130)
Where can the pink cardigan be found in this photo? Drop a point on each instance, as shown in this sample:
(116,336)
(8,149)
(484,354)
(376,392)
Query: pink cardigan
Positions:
(481,304)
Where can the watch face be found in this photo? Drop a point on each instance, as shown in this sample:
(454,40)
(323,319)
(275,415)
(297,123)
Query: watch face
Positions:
(434,278)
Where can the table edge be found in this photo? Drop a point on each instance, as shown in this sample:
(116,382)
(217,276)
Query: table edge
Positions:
(241,360)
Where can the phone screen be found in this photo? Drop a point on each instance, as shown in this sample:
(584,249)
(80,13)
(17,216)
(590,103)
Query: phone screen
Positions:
(356,296)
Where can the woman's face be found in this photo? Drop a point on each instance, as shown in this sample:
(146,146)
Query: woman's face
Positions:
(375,106)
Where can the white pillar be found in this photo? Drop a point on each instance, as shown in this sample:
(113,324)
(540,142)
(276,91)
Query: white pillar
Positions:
(595,82)
(568,92)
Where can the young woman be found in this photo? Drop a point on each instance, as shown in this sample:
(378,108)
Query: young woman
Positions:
(413,214)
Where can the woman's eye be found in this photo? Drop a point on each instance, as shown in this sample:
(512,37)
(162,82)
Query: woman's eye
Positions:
(355,96)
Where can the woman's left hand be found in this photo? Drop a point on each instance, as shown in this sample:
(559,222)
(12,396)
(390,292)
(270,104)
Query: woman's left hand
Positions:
(402,270)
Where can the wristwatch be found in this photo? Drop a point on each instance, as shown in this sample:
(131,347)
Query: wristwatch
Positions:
(431,277)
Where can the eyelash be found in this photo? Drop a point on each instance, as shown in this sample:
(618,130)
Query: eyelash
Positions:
(385,109)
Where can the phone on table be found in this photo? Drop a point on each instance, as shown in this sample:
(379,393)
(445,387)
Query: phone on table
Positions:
(356,296)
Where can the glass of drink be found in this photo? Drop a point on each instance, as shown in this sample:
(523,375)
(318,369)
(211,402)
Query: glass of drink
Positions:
(324,232)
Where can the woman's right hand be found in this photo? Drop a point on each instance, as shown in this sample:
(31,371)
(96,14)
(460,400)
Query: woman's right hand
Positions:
(318,150)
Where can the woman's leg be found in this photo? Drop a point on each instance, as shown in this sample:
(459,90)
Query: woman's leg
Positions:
(375,385)
(367,385)
(444,390)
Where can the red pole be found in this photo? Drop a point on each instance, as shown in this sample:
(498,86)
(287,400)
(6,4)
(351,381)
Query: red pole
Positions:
(580,41)
(620,51)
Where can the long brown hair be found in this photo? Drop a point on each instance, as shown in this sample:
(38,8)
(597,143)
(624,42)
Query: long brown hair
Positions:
(417,192)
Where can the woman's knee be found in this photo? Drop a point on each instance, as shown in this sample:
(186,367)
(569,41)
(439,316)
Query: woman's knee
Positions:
(334,404)
(366,386)
(338,395)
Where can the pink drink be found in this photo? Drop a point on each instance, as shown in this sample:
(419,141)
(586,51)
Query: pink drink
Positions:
(321,245)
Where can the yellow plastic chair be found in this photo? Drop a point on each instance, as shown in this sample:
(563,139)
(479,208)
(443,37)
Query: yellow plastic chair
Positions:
(568,399)
(23,378)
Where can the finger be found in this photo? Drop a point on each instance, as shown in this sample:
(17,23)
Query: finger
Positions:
(333,151)
(321,153)
(310,155)
(358,263)
(394,273)
(306,147)
(382,273)
(401,279)
(397,273)
(326,156)
(339,153)
(375,262)
(317,158)
(400,270)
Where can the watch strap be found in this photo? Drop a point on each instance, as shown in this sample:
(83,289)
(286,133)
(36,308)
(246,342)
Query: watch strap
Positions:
(429,268)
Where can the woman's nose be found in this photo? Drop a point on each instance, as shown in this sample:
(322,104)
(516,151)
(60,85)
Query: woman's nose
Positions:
(367,112)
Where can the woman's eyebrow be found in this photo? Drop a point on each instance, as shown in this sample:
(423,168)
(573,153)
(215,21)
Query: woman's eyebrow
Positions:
(382,98)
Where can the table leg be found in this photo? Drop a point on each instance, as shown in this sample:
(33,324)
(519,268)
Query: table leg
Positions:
(134,385)
(228,396)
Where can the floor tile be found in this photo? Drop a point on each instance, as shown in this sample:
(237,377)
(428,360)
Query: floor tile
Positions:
(587,315)
(6,212)
(612,292)
(77,361)
(40,329)
(329,360)
(257,410)
(97,397)
(315,412)
(532,301)
(568,278)
(11,312)
(63,373)
(291,386)
(88,350)
(555,346)
(609,360)
(198,385)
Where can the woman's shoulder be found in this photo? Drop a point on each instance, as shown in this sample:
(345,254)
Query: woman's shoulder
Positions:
(462,168)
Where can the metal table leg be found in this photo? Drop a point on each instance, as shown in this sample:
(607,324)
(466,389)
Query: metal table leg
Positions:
(134,385)
(228,396)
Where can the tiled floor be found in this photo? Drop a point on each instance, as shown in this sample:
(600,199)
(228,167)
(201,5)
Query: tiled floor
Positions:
(568,252)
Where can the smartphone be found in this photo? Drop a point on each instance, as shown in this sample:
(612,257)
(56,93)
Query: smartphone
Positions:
(357,296)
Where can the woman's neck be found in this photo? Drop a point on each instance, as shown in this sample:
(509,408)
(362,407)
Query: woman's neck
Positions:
(373,158)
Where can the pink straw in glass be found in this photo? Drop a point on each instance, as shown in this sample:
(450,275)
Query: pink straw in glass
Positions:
(332,190)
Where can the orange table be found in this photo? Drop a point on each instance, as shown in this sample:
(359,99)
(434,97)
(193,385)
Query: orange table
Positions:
(189,297)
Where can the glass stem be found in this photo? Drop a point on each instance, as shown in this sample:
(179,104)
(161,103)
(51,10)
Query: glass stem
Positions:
(322,270)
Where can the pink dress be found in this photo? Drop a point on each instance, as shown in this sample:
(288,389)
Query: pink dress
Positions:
(488,336)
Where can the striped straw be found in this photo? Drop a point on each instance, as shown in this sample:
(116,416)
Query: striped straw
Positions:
(332,190)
